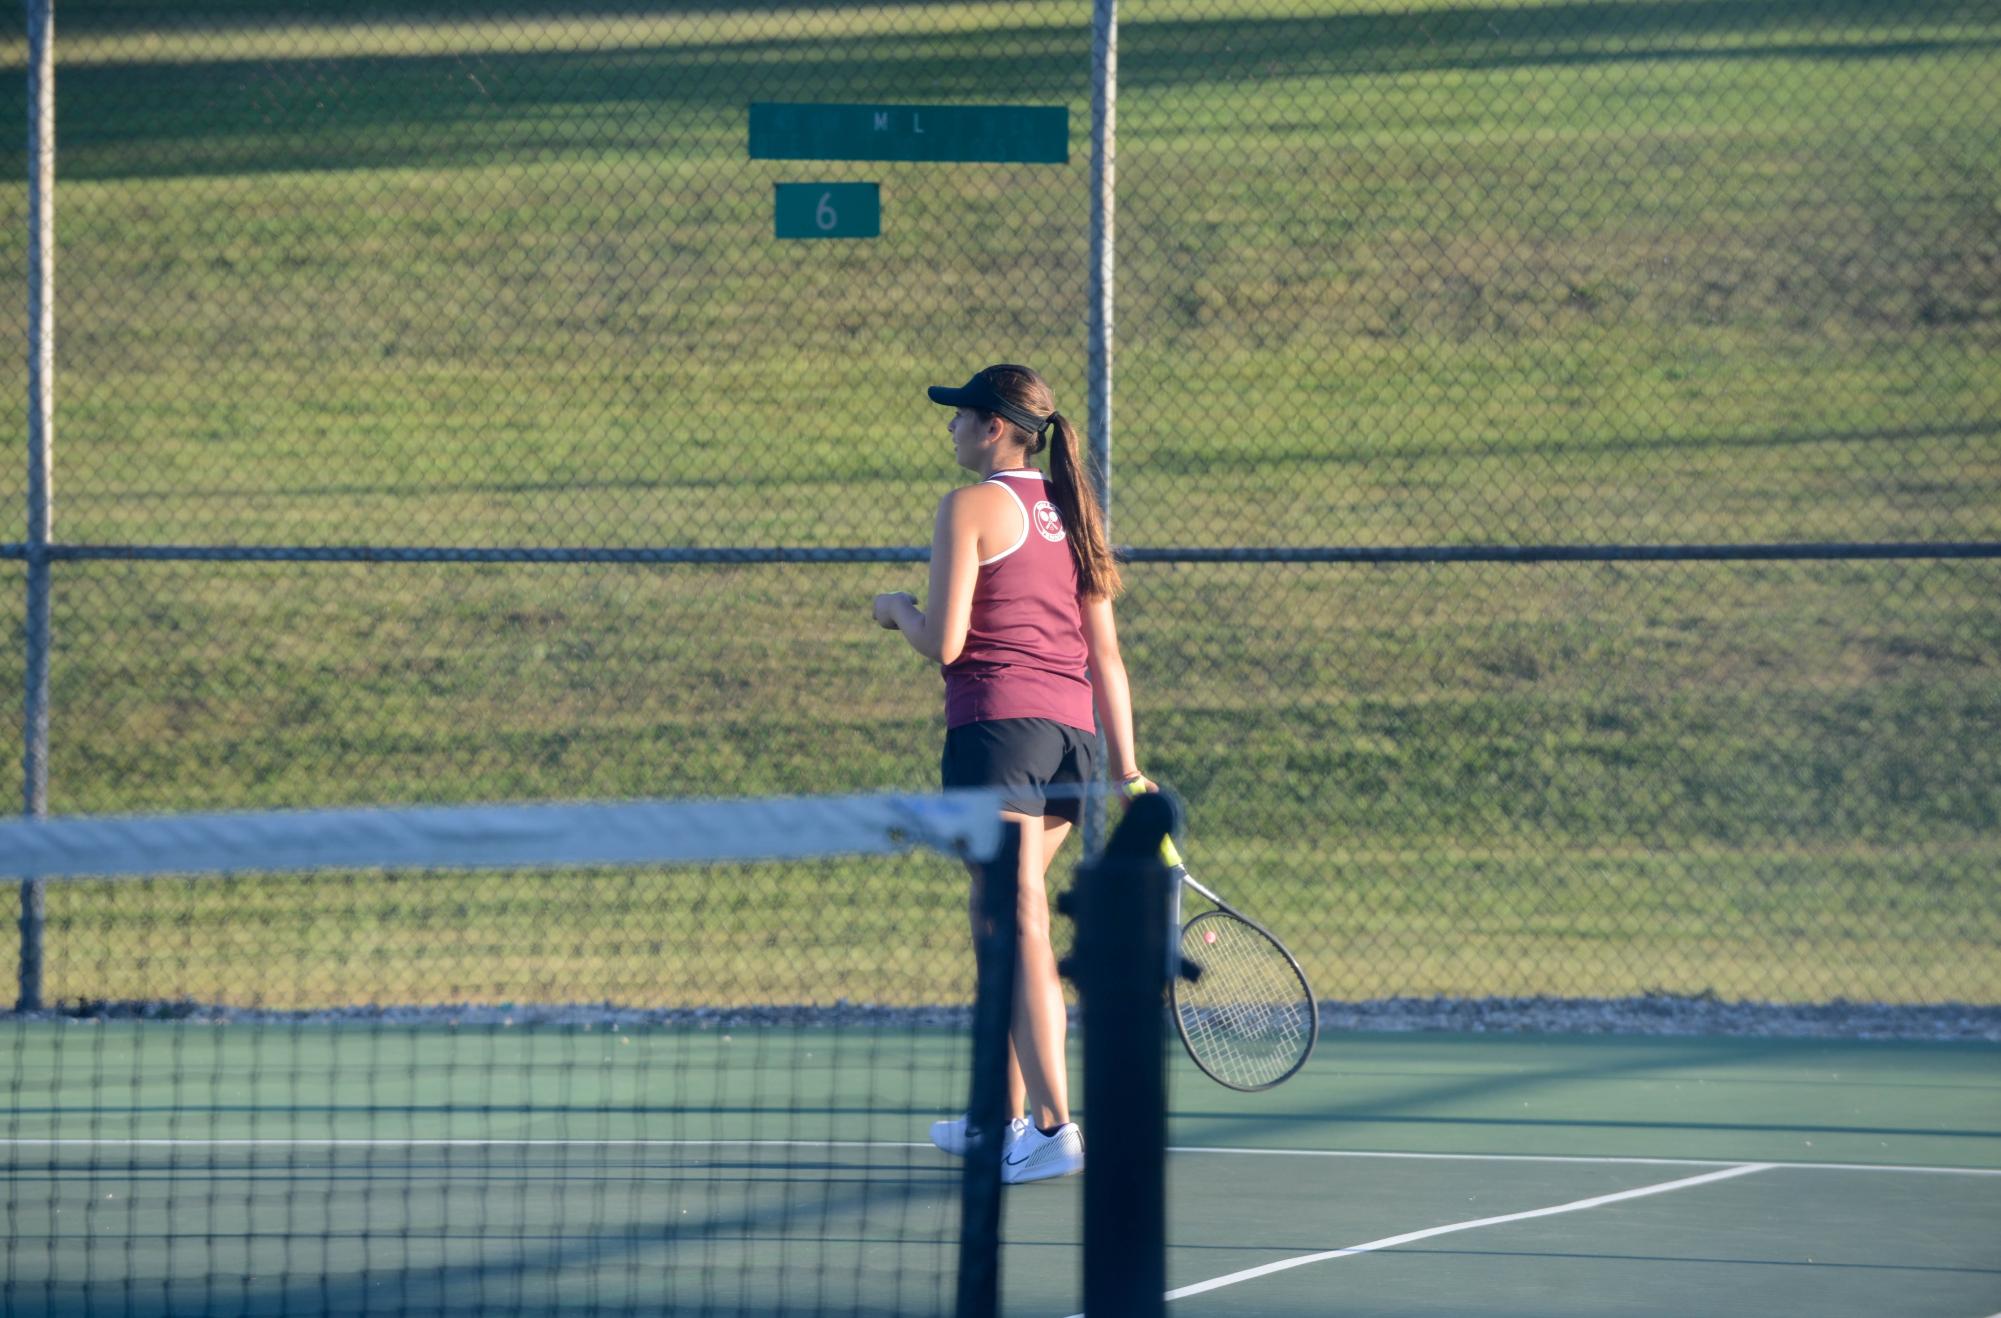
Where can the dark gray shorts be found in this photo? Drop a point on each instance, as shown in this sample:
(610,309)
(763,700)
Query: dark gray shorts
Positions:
(1023,756)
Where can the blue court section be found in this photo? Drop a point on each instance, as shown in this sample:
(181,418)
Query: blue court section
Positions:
(1433,1174)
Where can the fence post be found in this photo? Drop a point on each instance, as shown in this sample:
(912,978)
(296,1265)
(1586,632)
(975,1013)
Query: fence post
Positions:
(1104,155)
(41,444)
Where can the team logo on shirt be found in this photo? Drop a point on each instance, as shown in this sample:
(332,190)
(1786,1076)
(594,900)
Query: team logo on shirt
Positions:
(1048,522)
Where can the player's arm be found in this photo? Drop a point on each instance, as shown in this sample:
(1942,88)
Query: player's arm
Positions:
(939,633)
(1110,689)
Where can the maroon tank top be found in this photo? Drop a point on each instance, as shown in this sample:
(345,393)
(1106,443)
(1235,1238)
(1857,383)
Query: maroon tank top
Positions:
(1024,655)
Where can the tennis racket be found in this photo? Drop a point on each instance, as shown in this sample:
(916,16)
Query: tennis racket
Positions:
(1242,1005)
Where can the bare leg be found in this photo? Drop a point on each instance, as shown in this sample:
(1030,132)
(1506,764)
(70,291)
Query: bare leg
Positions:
(1038,1073)
(1041,1019)
(1017,1089)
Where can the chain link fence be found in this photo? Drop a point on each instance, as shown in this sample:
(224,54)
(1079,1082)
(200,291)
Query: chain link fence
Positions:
(1559,445)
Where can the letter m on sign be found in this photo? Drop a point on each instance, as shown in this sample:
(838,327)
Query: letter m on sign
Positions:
(882,121)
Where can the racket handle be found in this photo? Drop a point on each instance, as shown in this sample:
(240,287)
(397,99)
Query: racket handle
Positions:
(1176,877)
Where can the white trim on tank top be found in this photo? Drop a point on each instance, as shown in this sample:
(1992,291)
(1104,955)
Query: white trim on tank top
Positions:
(1022,539)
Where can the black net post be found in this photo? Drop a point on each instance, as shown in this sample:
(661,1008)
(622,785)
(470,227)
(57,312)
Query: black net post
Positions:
(1121,905)
(986,1110)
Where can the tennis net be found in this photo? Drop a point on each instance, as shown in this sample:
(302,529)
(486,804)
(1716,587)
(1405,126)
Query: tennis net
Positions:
(662,1056)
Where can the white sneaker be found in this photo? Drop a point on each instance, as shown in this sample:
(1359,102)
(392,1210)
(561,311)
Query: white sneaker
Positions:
(1034,1156)
(951,1135)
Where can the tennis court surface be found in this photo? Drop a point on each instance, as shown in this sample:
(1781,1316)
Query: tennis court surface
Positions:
(1459,1174)
(628,1169)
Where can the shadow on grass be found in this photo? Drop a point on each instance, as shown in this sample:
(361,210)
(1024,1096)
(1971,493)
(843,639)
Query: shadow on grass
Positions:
(1169,462)
(232,115)
(106,17)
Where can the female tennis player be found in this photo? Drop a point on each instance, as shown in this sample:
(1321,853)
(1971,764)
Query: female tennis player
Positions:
(1020,618)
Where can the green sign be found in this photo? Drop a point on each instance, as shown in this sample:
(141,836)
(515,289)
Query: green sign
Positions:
(1001,134)
(827,210)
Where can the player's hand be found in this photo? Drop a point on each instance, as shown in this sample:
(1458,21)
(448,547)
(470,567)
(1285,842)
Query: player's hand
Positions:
(1136,785)
(886,607)
(1130,789)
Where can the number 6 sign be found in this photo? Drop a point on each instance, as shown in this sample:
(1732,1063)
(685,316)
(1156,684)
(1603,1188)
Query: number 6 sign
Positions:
(827,210)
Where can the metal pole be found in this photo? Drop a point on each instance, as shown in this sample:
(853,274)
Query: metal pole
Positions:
(41,492)
(1104,135)
(996,947)
(1104,154)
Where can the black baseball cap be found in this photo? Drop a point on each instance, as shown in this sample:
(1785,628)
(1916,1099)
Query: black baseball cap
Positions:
(982,394)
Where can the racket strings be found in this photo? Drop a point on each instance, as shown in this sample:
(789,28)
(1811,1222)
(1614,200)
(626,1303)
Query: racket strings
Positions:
(1248,1016)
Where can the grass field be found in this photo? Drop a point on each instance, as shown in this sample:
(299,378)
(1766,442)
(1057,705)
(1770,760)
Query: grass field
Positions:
(1634,272)
(1739,792)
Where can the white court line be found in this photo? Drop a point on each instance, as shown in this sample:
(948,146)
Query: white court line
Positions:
(1455,1157)
(1586,1158)
(446,1142)
(369,1142)
(1389,1242)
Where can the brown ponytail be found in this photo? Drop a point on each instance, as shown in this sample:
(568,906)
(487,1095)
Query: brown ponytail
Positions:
(1075,493)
